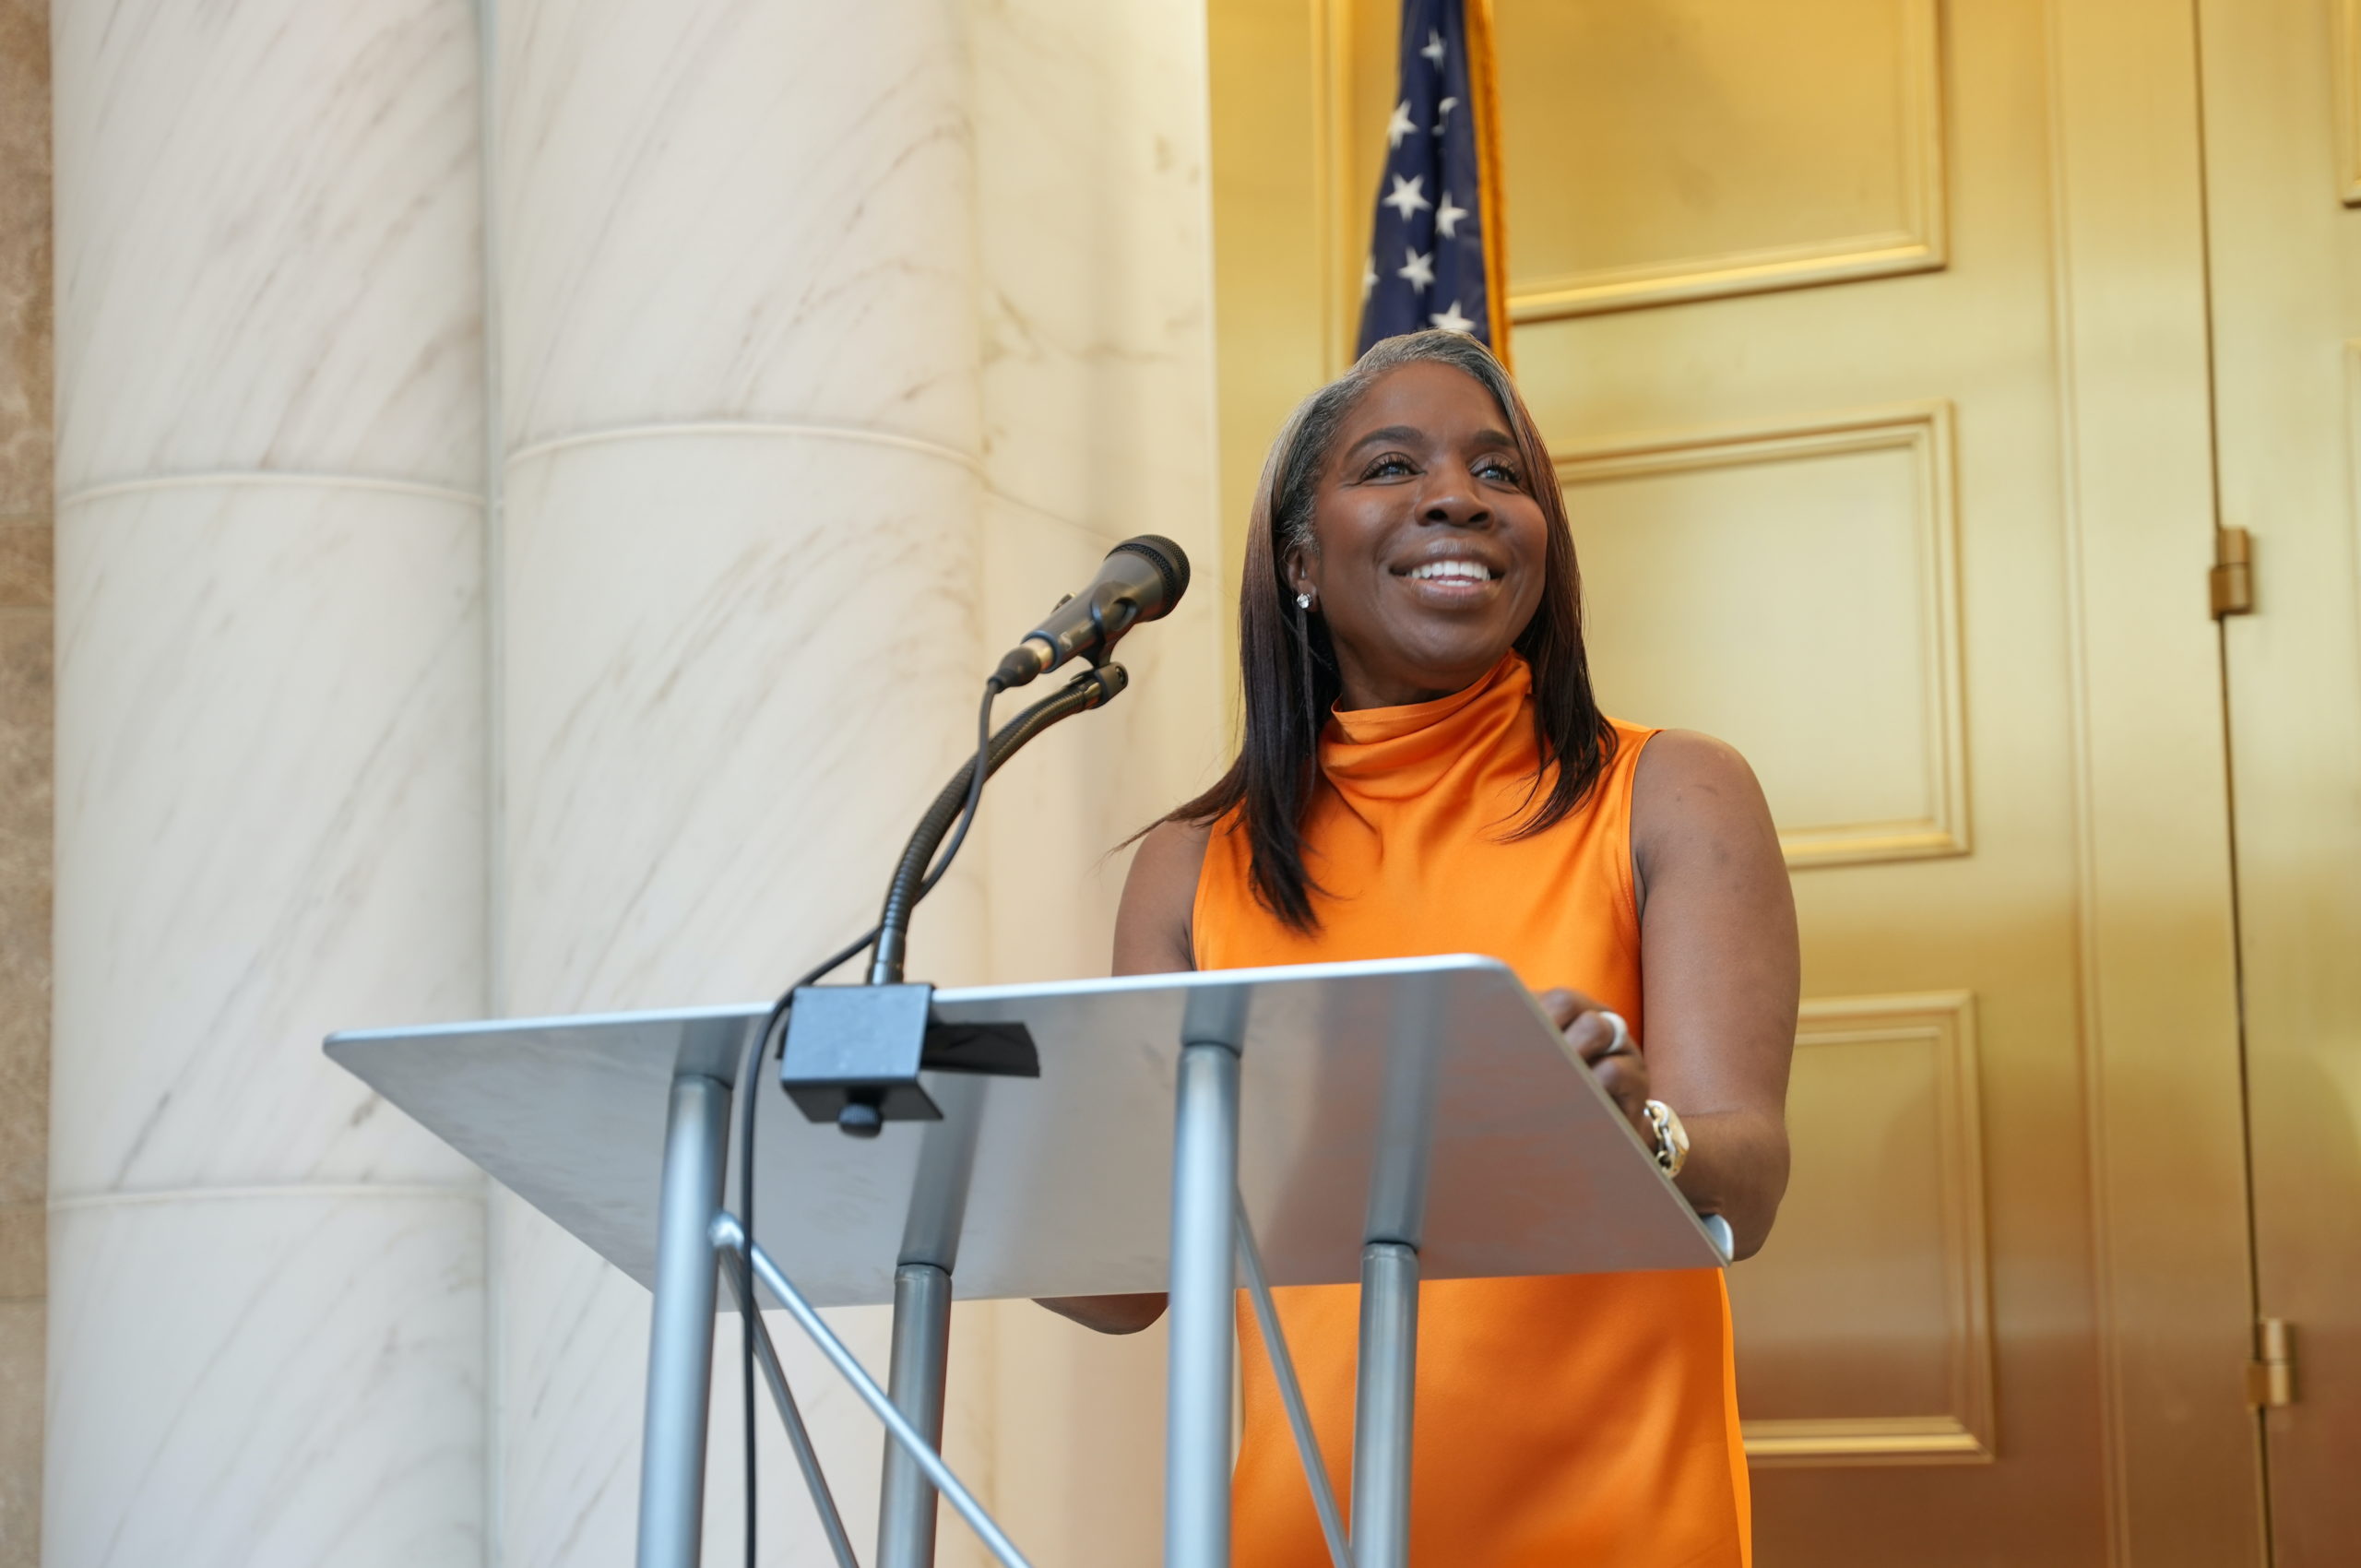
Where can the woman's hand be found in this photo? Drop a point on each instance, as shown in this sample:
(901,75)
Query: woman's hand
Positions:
(1108,1314)
(1603,1040)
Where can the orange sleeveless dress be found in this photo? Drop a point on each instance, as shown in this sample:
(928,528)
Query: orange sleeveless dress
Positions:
(1584,1419)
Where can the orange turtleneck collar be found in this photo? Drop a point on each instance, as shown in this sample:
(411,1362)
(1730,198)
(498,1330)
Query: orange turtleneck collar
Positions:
(1383,753)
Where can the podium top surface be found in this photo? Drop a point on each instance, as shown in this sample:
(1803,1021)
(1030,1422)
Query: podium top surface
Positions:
(1425,1099)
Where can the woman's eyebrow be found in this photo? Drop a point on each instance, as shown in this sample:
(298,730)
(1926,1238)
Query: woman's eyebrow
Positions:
(1406,433)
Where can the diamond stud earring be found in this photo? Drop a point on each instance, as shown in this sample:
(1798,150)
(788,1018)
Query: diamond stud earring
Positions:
(1303,601)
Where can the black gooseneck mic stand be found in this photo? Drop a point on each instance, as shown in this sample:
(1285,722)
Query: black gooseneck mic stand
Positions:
(852,1054)
(1094,687)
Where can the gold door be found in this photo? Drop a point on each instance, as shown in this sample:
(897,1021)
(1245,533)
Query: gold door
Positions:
(2283,151)
(1871,336)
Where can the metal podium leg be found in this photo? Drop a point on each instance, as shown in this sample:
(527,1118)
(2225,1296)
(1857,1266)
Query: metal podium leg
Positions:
(730,1236)
(680,1341)
(1205,1184)
(921,1357)
(1382,1392)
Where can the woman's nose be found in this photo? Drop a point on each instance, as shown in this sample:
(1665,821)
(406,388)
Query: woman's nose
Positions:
(1452,500)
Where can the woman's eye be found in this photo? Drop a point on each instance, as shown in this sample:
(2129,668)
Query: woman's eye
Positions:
(1493,469)
(1385,466)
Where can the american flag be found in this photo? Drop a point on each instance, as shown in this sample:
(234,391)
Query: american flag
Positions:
(1438,201)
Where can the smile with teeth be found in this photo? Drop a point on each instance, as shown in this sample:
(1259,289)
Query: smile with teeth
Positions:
(1451,571)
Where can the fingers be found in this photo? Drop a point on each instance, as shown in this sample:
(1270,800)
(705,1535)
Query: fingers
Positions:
(1601,1038)
(1597,1034)
(1564,1005)
(1625,1079)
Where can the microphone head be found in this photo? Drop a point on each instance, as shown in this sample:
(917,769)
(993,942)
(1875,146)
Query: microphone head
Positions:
(1172,566)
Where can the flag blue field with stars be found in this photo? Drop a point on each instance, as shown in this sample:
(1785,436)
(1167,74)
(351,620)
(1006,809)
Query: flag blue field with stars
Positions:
(1427,265)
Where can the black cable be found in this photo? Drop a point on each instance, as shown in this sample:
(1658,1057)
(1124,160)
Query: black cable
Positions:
(1093,688)
(961,794)
(750,1070)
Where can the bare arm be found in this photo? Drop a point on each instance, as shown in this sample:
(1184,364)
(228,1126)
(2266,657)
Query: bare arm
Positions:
(1721,968)
(1152,937)
(1718,961)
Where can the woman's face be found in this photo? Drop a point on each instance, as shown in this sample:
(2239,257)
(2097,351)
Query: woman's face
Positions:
(1430,545)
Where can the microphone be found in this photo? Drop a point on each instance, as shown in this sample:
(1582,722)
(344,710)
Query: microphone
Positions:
(1141,580)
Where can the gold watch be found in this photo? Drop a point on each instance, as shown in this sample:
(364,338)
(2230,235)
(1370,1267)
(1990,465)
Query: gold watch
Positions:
(1672,1138)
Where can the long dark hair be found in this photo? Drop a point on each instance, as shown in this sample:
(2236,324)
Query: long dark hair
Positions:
(1289,666)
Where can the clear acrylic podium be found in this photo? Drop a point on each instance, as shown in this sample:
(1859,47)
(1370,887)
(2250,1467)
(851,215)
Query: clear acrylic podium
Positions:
(1371,1123)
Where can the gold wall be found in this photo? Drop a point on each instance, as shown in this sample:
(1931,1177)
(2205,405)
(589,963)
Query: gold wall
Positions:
(1874,340)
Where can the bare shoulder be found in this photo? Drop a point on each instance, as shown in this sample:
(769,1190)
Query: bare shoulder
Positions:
(1170,858)
(1692,795)
(1152,934)
(1683,765)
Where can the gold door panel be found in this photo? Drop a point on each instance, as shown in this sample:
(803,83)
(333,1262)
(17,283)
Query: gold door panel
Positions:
(1726,572)
(1864,1335)
(1700,149)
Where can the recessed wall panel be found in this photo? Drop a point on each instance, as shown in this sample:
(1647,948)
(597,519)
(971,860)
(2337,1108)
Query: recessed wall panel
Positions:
(1862,1330)
(1790,590)
(1668,149)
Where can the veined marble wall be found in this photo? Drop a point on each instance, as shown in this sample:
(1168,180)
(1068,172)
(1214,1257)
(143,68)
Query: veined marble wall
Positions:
(740,427)
(1092,193)
(833,344)
(265,1336)
(25,712)
(891,322)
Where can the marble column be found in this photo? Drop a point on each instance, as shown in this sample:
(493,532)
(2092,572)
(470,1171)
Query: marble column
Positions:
(267,1311)
(740,582)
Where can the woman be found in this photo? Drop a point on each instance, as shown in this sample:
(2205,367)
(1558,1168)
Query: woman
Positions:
(1425,770)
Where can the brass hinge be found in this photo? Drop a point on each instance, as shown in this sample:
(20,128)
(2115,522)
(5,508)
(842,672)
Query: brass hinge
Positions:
(2231,581)
(2270,1376)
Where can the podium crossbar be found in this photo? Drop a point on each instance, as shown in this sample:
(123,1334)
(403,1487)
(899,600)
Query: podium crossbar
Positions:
(807,1458)
(1275,1346)
(728,1236)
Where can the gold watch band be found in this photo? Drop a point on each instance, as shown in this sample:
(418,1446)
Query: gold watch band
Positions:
(1672,1138)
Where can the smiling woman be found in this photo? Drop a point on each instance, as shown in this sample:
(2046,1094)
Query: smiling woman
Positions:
(1324,624)
(1425,769)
